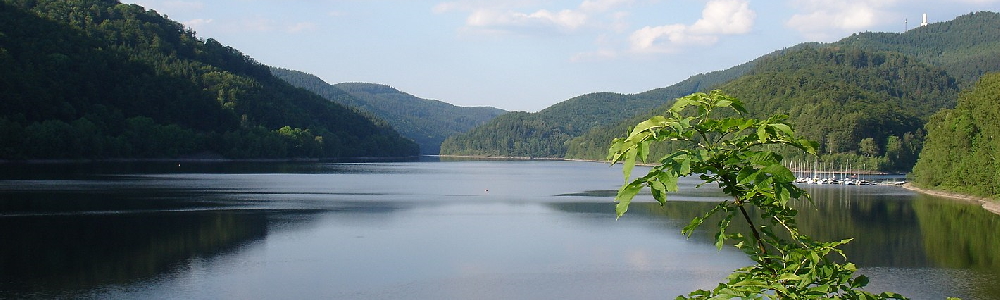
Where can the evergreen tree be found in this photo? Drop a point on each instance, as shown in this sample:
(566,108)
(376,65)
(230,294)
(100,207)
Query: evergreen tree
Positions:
(962,146)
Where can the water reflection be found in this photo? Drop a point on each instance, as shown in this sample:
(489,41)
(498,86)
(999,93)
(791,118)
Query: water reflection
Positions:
(422,230)
(907,242)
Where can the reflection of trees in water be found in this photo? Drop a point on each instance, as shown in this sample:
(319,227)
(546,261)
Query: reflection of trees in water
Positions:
(966,233)
(889,229)
(884,227)
(898,231)
(962,235)
(46,256)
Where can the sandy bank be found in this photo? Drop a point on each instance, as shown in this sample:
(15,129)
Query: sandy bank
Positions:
(988,204)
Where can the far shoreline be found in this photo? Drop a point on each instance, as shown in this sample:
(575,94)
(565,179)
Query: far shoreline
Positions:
(988,204)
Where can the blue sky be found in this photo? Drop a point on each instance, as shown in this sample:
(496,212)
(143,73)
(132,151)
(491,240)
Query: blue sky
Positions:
(530,54)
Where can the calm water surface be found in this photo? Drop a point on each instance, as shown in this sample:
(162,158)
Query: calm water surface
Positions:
(432,230)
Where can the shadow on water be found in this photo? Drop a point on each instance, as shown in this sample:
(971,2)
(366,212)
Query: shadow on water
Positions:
(66,232)
(58,256)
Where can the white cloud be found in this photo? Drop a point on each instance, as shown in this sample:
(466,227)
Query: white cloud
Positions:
(197,23)
(667,39)
(172,6)
(725,17)
(564,19)
(719,17)
(620,21)
(822,19)
(511,16)
(602,5)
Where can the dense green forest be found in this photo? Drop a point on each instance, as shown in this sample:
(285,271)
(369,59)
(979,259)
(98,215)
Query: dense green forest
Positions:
(961,149)
(101,79)
(865,99)
(866,109)
(547,132)
(966,47)
(427,122)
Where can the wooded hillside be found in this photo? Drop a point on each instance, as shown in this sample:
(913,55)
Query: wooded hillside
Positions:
(888,95)
(963,144)
(966,47)
(101,79)
(547,132)
(427,122)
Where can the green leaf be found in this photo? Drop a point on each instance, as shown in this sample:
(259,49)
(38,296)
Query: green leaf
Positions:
(624,197)
(687,230)
(859,282)
(643,151)
(762,135)
(645,126)
(628,164)
(738,106)
(684,102)
(789,276)
(658,190)
(669,181)
(723,103)
(783,128)
(720,239)
(779,172)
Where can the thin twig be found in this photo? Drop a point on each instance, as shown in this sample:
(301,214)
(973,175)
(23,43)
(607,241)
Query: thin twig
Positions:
(753,230)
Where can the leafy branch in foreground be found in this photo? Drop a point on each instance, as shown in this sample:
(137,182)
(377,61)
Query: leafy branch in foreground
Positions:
(733,152)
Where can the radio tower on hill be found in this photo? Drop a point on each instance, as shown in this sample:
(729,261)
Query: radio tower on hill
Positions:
(924,23)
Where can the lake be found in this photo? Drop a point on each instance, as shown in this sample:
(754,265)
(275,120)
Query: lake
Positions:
(433,230)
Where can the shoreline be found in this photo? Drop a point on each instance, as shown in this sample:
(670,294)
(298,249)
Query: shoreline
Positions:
(986,203)
(475,157)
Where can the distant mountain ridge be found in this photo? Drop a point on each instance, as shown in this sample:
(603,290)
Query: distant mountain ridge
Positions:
(966,47)
(551,129)
(427,122)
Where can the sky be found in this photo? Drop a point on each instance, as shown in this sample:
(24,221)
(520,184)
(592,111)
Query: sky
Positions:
(529,54)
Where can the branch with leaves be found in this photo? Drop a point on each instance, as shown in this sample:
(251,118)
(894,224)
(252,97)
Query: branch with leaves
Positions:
(726,148)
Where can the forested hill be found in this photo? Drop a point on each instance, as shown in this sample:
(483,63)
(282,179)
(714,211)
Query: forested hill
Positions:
(428,122)
(101,79)
(966,47)
(962,144)
(931,51)
(865,107)
(547,132)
